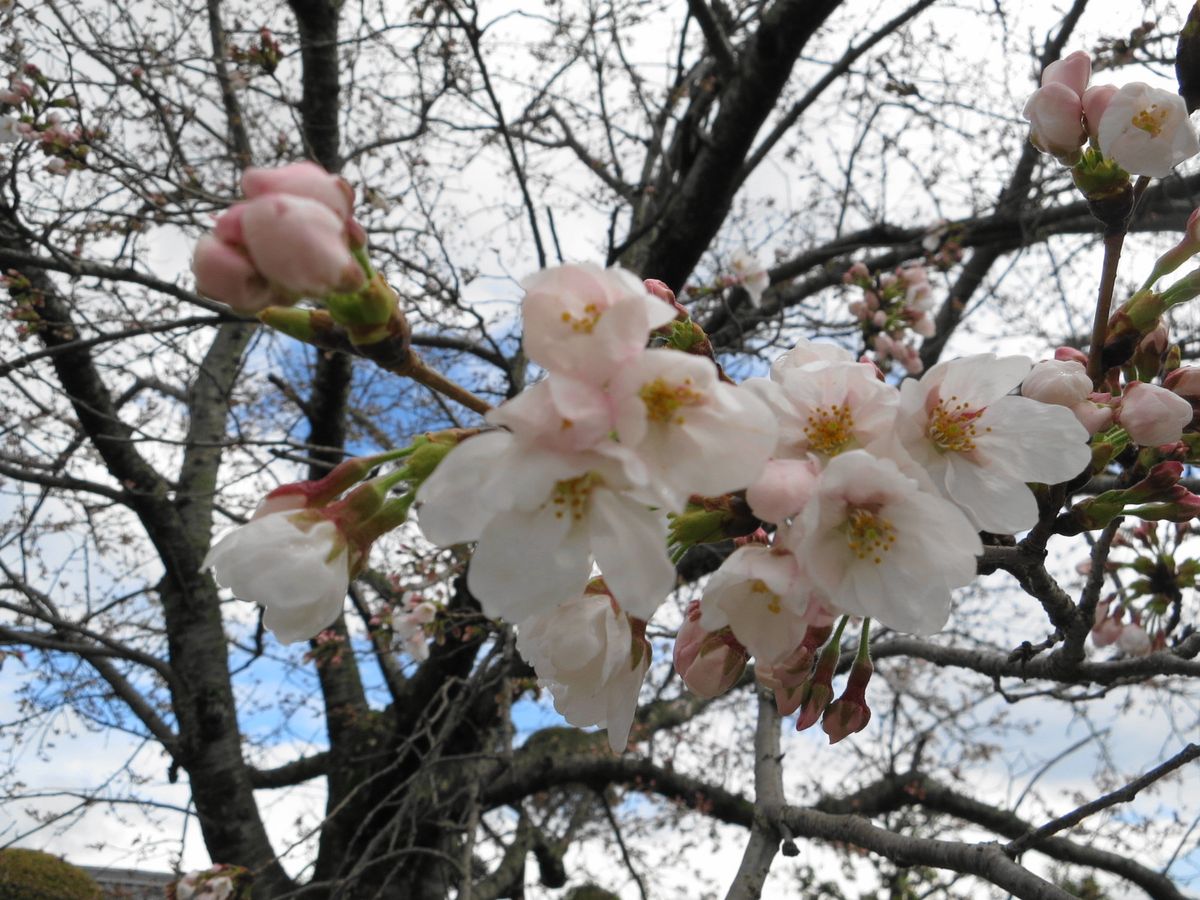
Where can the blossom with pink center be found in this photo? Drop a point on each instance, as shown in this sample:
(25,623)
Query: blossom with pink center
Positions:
(593,657)
(540,518)
(981,445)
(692,432)
(1146,130)
(825,408)
(587,322)
(876,545)
(410,625)
(709,662)
(1153,415)
(765,598)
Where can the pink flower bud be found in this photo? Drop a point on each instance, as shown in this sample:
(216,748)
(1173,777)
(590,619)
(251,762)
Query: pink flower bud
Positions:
(1061,383)
(1184,381)
(1153,415)
(1093,417)
(300,245)
(1055,114)
(224,274)
(783,489)
(1095,102)
(1074,71)
(709,662)
(302,179)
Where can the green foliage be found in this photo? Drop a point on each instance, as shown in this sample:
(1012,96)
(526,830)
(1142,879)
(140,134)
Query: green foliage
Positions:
(33,875)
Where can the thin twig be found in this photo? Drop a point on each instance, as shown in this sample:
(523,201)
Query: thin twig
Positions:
(1121,795)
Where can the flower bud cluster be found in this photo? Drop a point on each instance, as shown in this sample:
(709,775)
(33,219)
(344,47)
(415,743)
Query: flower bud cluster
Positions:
(294,236)
(409,626)
(893,306)
(1152,586)
(36,117)
(1143,129)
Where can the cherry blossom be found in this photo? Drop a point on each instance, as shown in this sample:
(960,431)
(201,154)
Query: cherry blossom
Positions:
(878,546)
(540,519)
(825,407)
(296,565)
(765,598)
(1146,130)
(585,321)
(593,657)
(693,433)
(980,446)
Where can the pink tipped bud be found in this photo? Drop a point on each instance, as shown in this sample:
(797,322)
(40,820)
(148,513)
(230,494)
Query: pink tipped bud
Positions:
(663,292)
(302,179)
(1063,354)
(1074,71)
(1055,114)
(709,662)
(783,489)
(1153,415)
(225,274)
(1184,381)
(300,245)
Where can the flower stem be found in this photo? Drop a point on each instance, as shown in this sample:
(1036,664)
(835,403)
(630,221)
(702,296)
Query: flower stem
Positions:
(416,369)
(864,642)
(1108,280)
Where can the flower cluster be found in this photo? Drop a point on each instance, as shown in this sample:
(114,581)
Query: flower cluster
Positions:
(1143,129)
(594,456)
(407,626)
(892,306)
(877,495)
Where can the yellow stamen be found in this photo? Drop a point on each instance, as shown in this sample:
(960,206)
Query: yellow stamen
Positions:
(830,429)
(1150,120)
(952,426)
(585,323)
(573,495)
(664,400)
(758,586)
(868,534)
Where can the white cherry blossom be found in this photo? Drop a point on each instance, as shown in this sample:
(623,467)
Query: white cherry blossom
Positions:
(587,650)
(585,321)
(751,274)
(693,433)
(1146,130)
(980,446)
(765,598)
(825,408)
(540,519)
(296,565)
(878,546)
